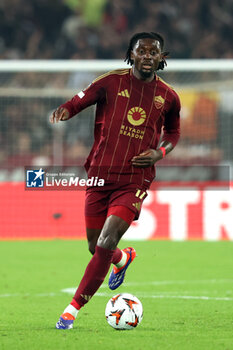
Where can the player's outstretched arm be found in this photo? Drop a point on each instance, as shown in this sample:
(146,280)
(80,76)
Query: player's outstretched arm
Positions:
(60,114)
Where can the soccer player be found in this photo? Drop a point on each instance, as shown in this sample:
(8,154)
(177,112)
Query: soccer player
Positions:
(133,107)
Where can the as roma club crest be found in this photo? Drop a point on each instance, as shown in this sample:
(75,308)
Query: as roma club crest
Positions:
(159,102)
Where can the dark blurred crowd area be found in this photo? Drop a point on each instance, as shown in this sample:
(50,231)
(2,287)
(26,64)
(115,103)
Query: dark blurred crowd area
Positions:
(28,138)
(101,29)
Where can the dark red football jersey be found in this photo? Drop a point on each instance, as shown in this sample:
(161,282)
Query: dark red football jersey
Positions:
(130,116)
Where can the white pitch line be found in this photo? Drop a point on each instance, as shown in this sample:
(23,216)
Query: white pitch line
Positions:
(159,283)
(31,295)
(71,291)
(10,295)
(160,295)
(165,296)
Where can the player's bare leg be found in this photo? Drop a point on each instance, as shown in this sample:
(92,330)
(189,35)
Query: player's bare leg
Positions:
(113,229)
(120,257)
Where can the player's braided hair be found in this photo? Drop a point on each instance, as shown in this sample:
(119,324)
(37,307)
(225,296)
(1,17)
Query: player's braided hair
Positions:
(143,35)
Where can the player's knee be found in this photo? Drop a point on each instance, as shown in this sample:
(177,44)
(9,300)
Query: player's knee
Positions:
(109,241)
(113,230)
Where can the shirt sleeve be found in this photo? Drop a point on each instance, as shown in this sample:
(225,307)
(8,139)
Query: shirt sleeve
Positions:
(91,95)
(171,128)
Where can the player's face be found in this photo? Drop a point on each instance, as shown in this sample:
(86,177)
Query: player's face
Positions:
(146,55)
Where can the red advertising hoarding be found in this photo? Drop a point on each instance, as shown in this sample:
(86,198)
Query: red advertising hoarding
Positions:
(199,213)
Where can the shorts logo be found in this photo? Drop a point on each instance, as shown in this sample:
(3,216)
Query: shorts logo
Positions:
(35,178)
(140,194)
(137,206)
(136,116)
(159,102)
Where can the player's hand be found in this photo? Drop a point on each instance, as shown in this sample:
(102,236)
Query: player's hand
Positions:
(59,114)
(147,158)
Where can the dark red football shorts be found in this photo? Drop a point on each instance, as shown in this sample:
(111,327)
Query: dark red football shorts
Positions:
(124,201)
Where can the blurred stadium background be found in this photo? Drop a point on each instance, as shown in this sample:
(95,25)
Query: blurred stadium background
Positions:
(50,50)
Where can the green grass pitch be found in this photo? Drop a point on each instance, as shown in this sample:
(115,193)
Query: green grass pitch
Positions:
(185,288)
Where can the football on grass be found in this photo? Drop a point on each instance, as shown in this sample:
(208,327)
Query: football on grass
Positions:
(124,311)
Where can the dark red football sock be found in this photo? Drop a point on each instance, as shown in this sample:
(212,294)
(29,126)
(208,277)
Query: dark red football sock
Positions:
(117,255)
(93,277)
